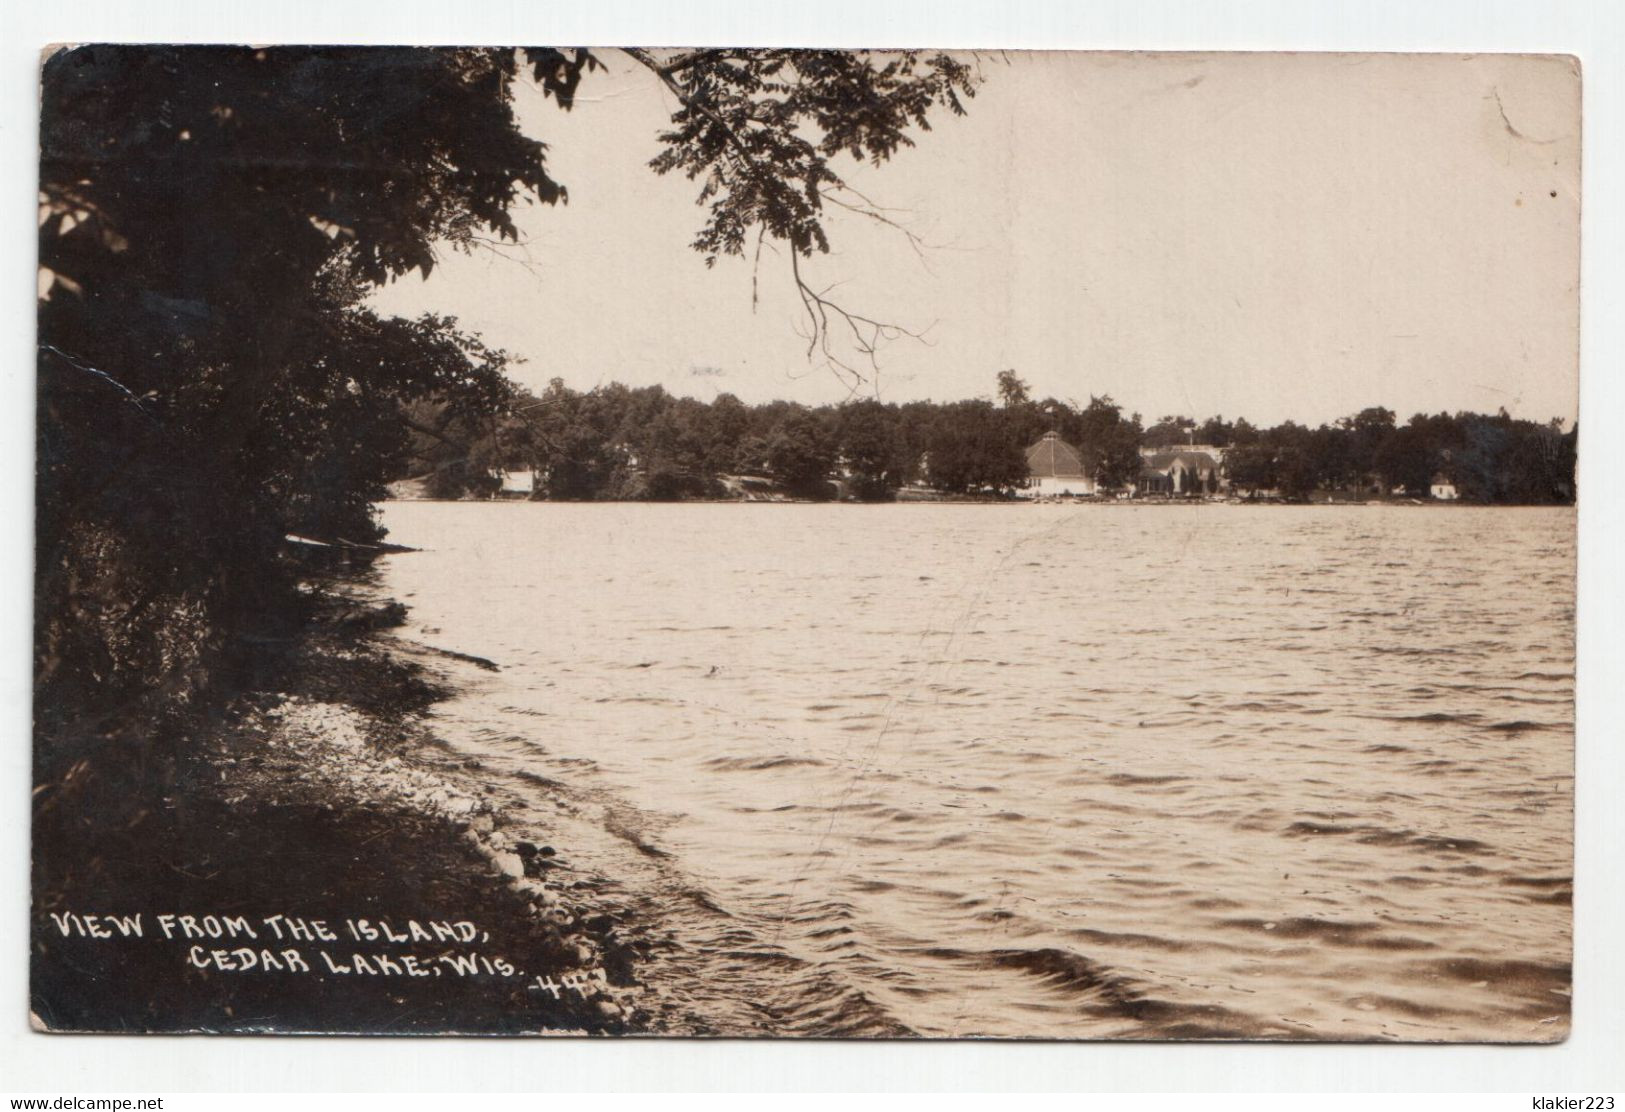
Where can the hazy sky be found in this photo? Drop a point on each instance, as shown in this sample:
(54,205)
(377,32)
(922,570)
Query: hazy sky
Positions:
(1265,235)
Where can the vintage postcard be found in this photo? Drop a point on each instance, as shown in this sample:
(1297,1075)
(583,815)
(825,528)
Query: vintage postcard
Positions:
(769,542)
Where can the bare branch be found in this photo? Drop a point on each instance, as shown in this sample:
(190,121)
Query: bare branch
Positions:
(756,265)
(873,212)
(866,334)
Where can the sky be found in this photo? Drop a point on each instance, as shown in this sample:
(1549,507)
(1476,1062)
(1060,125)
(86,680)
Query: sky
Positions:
(1268,236)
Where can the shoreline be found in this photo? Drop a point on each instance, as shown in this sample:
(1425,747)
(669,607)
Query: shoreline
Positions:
(326,801)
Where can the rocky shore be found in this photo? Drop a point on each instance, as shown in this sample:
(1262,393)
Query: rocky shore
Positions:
(317,862)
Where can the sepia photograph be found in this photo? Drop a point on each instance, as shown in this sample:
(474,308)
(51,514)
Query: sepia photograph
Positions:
(799,543)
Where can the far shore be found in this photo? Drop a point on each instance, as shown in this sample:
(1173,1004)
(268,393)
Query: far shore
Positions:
(994,501)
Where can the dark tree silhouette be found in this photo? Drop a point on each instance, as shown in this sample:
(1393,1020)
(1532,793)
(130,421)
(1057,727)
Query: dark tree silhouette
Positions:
(801,454)
(212,219)
(1012,390)
(876,454)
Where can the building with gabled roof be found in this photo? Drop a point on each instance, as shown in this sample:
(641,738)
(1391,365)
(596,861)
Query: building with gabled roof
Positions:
(1194,470)
(1055,469)
(1443,488)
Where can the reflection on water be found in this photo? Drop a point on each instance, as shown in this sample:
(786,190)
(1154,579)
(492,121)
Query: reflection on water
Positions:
(1041,771)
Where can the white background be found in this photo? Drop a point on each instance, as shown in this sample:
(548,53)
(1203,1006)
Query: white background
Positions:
(1590,1061)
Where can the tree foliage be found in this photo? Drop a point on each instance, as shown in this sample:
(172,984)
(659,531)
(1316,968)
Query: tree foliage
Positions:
(971,448)
(1108,443)
(1013,392)
(619,442)
(877,456)
(212,219)
(209,379)
(759,129)
(801,453)
(1490,460)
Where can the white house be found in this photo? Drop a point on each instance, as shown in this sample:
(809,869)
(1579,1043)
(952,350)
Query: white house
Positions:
(517,484)
(1442,489)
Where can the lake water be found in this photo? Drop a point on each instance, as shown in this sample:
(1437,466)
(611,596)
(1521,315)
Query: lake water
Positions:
(1037,771)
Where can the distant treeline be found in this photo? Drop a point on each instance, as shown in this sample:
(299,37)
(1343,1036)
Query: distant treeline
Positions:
(622,443)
